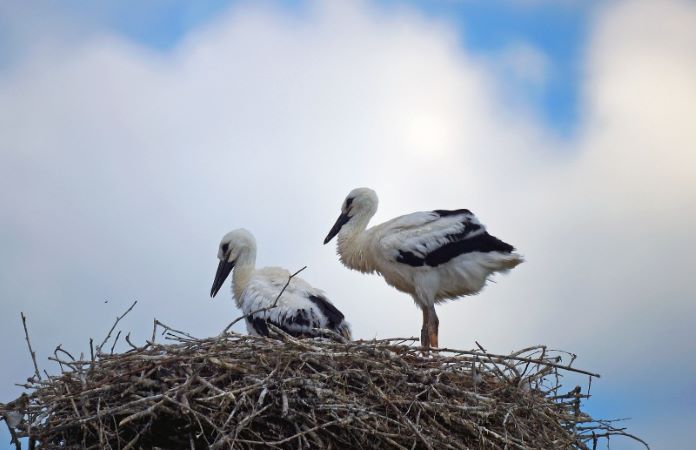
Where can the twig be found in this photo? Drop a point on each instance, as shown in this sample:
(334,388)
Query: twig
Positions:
(403,417)
(31,350)
(517,358)
(118,319)
(115,341)
(154,330)
(133,346)
(245,316)
(62,350)
(168,328)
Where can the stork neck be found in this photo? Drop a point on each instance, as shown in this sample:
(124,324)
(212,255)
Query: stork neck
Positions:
(243,270)
(353,244)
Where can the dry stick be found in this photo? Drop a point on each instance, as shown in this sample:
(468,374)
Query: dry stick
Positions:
(154,330)
(516,358)
(60,363)
(118,319)
(135,347)
(406,419)
(115,341)
(263,309)
(168,328)
(31,351)
(495,366)
(341,421)
(62,350)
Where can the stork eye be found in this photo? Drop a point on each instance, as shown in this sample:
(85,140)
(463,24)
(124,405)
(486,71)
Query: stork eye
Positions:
(224,247)
(349,202)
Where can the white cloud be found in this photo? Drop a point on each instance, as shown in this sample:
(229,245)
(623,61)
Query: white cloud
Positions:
(121,168)
(525,63)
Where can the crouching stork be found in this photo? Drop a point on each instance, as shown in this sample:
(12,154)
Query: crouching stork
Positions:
(299,311)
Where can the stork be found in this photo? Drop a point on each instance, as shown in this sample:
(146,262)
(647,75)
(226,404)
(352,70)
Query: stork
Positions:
(434,256)
(299,310)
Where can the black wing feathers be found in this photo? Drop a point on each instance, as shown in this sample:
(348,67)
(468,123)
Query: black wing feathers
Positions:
(303,318)
(261,326)
(410,258)
(334,316)
(452,212)
(483,242)
(465,241)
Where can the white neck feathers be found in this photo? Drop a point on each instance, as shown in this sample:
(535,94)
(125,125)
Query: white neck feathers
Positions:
(243,270)
(354,243)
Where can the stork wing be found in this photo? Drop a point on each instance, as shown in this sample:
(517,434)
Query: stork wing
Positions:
(299,310)
(435,237)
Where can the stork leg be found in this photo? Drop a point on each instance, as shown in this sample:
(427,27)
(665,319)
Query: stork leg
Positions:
(425,334)
(433,326)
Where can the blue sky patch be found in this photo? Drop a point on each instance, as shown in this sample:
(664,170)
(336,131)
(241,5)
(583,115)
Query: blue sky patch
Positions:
(557,29)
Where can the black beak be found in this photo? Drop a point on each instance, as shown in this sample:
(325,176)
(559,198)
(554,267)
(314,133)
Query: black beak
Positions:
(223,270)
(342,220)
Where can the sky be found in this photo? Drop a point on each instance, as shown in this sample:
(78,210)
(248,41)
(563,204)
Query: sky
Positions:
(134,135)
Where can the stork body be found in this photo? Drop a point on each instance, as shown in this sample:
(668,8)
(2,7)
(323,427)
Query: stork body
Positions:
(298,311)
(434,256)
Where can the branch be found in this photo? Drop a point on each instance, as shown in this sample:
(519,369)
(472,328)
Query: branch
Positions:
(31,351)
(133,346)
(118,319)
(513,358)
(115,341)
(173,330)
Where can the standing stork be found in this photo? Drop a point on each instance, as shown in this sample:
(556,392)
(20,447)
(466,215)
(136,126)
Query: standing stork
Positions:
(432,255)
(299,310)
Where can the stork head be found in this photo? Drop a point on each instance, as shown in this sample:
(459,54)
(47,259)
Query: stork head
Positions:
(359,205)
(235,244)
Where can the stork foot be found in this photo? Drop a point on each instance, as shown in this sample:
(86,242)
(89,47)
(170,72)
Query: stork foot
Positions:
(433,340)
(433,327)
(425,330)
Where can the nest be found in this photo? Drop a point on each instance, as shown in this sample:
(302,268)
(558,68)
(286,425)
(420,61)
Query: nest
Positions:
(238,391)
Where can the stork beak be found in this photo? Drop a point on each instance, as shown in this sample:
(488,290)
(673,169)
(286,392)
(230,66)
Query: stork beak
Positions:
(342,220)
(223,270)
